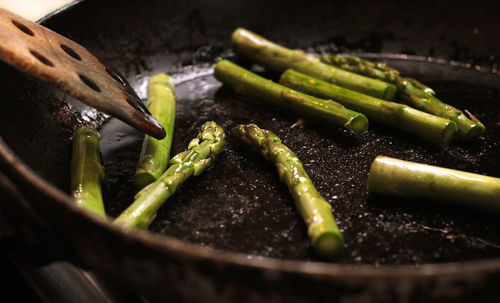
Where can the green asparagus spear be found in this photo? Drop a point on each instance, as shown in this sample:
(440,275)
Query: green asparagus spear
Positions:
(249,84)
(371,69)
(200,154)
(407,179)
(279,58)
(156,153)
(435,129)
(413,92)
(86,171)
(314,209)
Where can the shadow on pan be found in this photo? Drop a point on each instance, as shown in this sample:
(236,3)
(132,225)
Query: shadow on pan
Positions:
(239,205)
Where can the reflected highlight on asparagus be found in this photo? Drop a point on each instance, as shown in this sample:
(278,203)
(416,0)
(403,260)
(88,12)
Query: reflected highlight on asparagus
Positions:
(279,58)
(249,84)
(395,177)
(201,152)
(86,171)
(155,153)
(437,130)
(314,209)
(412,92)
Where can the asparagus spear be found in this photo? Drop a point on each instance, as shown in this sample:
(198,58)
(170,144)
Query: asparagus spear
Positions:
(155,153)
(200,154)
(407,179)
(249,84)
(413,92)
(371,69)
(86,171)
(279,58)
(314,209)
(438,130)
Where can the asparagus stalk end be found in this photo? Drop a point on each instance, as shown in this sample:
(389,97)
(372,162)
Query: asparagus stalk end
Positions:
(329,244)
(469,131)
(143,178)
(395,177)
(86,171)
(155,153)
(390,92)
(358,124)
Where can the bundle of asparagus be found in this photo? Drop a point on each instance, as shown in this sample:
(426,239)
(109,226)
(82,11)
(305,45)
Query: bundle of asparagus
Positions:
(201,152)
(407,179)
(279,58)
(387,175)
(249,84)
(411,91)
(156,153)
(87,174)
(437,130)
(315,210)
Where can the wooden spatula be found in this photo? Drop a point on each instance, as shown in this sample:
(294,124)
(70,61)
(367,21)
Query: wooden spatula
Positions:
(50,57)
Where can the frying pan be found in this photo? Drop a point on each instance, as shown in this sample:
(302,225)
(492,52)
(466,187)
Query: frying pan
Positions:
(232,234)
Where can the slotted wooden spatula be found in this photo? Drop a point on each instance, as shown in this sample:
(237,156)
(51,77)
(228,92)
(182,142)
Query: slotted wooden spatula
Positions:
(51,57)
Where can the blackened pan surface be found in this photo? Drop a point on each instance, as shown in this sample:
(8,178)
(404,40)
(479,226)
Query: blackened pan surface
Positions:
(240,205)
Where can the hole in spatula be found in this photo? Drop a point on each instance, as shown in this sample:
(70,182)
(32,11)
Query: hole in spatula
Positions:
(23,28)
(89,83)
(68,50)
(41,58)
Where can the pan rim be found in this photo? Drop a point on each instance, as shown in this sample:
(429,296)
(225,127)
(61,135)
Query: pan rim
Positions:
(57,11)
(16,169)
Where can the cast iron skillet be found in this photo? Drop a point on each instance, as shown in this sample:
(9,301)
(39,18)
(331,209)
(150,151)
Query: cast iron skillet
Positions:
(232,234)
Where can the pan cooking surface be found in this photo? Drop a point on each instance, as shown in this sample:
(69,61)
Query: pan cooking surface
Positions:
(240,205)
